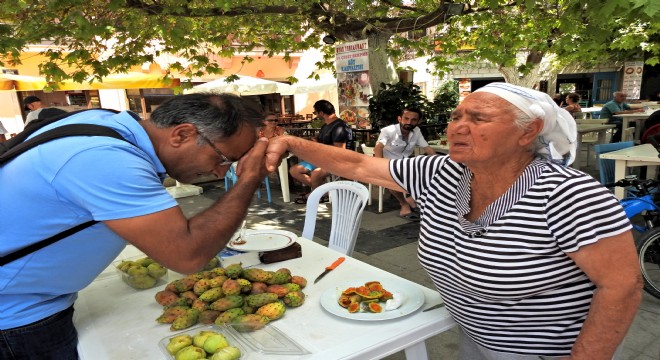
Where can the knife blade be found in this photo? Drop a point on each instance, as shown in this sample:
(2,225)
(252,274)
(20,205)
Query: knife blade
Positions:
(330,268)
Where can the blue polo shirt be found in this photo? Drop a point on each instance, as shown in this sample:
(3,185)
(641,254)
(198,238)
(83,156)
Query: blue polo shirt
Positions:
(63,183)
(611,107)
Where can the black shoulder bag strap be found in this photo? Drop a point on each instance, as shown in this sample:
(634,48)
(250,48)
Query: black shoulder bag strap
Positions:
(56,133)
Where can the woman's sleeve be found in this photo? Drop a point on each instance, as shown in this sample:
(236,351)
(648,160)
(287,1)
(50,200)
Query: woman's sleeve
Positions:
(580,211)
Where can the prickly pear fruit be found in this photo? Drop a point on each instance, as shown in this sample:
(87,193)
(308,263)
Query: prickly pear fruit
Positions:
(294,298)
(166,297)
(178,342)
(375,307)
(200,286)
(234,271)
(248,309)
(280,290)
(219,271)
(279,278)
(156,271)
(273,311)
(354,307)
(256,275)
(249,322)
(214,343)
(189,296)
(227,302)
(246,285)
(184,284)
(170,314)
(200,305)
(217,281)
(213,263)
(212,295)
(291,287)
(199,338)
(190,352)
(229,315)
(299,280)
(260,300)
(208,316)
(227,353)
(231,287)
(284,270)
(258,288)
(188,319)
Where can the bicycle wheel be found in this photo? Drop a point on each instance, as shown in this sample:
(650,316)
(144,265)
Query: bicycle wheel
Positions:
(648,250)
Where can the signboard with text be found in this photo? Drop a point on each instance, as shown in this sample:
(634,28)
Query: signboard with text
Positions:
(632,78)
(352,61)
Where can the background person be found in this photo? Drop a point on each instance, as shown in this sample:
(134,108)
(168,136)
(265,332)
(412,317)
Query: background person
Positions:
(270,128)
(617,106)
(82,178)
(334,132)
(398,141)
(572,104)
(34,105)
(533,259)
(3,133)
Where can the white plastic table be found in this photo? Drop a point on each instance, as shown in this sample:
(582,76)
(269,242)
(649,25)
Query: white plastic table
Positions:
(641,155)
(638,119)
(118,322)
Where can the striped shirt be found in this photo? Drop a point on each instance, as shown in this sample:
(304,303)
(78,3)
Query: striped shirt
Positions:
(506,278)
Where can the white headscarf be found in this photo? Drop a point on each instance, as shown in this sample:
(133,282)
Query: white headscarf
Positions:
(558,139)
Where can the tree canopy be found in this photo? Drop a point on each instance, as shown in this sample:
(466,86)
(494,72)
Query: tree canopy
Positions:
(99,37)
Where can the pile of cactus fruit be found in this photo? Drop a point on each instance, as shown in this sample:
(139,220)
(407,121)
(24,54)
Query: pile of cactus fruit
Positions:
(248,299)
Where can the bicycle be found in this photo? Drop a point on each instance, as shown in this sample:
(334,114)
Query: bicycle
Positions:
(642,203)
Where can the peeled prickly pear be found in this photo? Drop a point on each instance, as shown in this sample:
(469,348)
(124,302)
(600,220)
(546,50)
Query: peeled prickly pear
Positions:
(178,342)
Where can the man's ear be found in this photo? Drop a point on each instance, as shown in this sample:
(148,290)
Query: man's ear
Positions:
(182,134)
(531,132)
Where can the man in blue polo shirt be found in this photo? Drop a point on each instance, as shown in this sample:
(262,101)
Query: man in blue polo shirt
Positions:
(614,107)
(76,179)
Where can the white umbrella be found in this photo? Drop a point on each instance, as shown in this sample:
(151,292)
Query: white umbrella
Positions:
(326,82)
(244,85)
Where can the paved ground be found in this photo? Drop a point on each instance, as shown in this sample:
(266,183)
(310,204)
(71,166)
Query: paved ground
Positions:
(389,242)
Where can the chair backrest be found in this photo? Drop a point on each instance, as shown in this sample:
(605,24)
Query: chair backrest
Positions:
(348,201)
(607,166)
(367,150)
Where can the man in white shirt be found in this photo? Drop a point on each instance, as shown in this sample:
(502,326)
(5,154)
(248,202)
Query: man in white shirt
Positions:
(399,141)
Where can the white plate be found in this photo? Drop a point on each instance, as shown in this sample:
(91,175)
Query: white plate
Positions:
(263,240)
(414,300)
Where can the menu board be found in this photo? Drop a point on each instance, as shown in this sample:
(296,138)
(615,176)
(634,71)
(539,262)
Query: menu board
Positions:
(632,78)
(352,60)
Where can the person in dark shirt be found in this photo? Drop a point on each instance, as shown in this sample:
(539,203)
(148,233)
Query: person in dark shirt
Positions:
(334,132)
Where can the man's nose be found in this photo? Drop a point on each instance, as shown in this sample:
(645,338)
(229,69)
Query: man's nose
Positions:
(220,171)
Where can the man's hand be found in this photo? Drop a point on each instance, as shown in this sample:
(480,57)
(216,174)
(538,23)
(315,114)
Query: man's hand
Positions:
(252,164)
(278,148)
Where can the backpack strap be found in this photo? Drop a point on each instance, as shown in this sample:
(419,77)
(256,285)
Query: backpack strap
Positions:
(43,243)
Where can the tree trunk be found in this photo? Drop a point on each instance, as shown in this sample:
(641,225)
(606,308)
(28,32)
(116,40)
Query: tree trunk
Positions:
(381,68)
(512,76)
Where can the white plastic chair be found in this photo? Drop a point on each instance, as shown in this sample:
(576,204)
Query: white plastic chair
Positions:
(369,150)
(348,201)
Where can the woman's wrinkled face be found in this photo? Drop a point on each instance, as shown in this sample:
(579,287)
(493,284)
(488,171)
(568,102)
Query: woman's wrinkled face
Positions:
(482,131)
(271,121)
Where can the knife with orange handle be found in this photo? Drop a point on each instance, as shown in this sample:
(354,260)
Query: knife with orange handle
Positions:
(330,268)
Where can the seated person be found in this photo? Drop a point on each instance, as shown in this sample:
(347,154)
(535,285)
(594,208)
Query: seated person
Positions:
(270,128)
(398,141)
(572,104)
(334,132)
(617,106)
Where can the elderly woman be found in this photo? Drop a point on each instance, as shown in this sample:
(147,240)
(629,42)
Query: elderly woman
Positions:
(534,259)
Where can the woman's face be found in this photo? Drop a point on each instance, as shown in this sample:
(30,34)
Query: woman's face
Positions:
(483,132)
(271,121)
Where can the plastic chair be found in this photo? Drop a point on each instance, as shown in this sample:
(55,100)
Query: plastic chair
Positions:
(369,150)
(231,178)
(606,165)
(349,200)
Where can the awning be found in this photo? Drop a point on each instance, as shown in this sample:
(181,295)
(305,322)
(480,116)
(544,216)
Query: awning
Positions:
(243,85)
(115,81)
